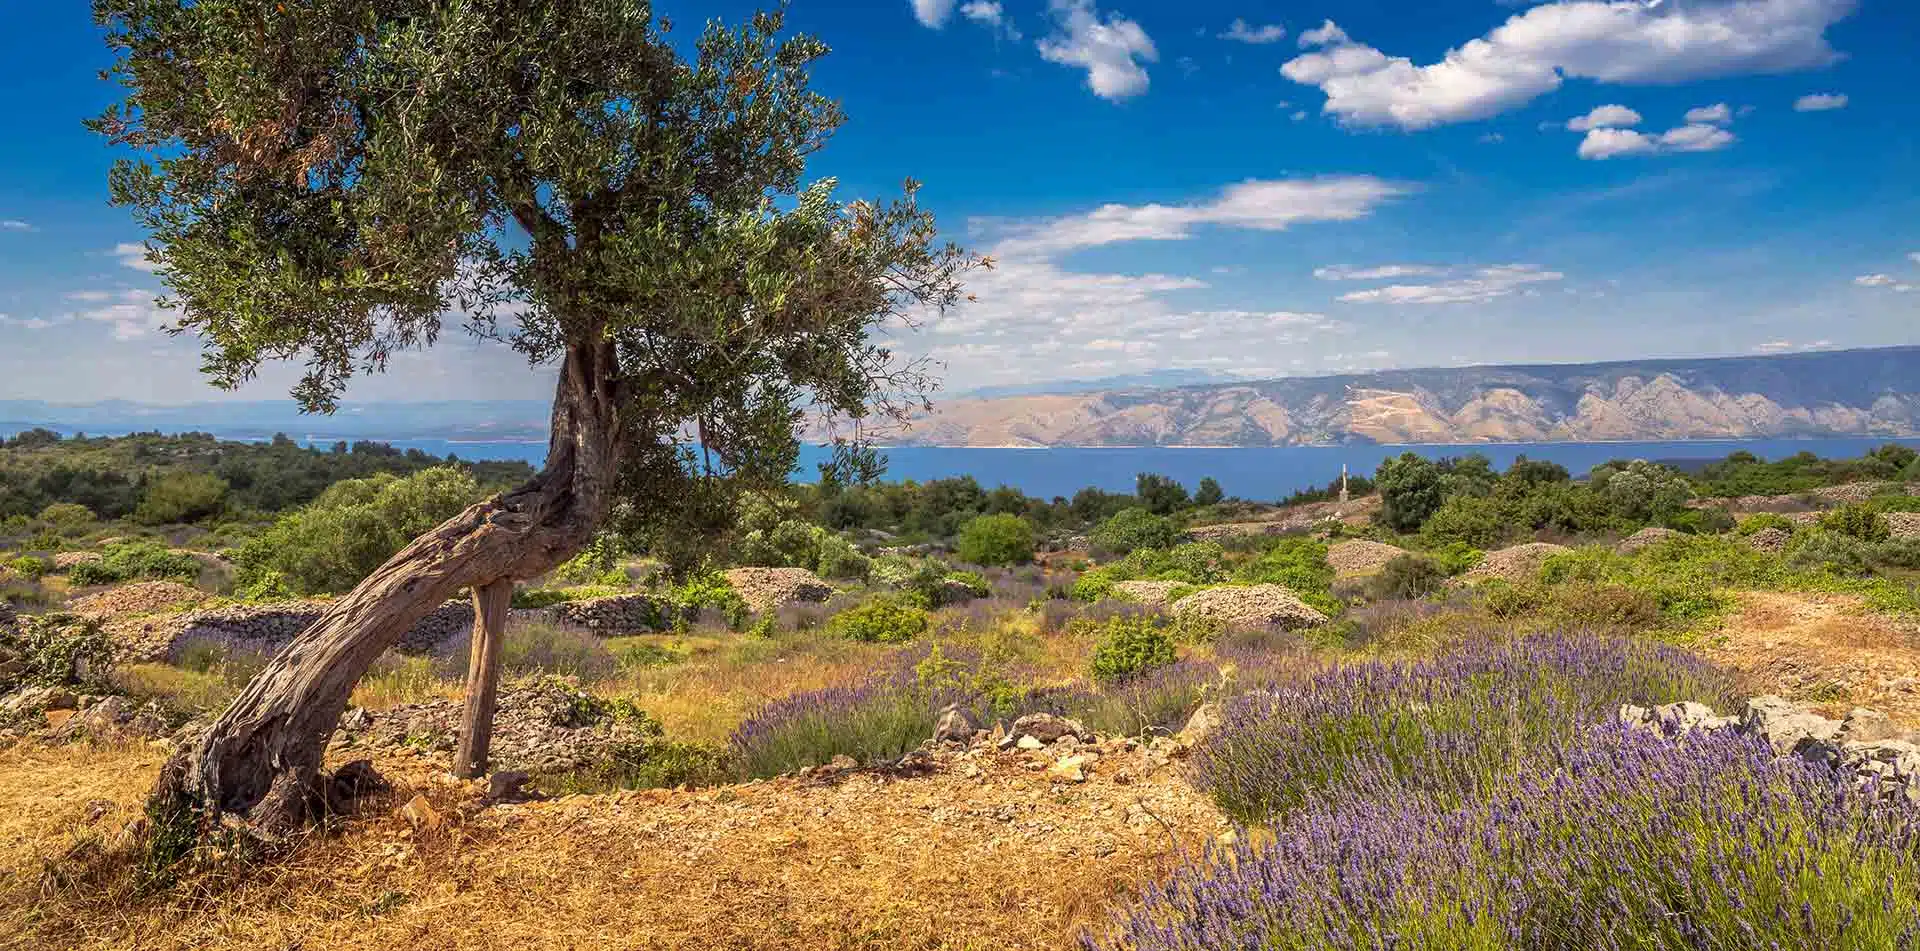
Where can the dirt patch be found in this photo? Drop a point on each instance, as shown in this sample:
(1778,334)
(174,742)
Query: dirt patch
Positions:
(1826,649)
(986,852)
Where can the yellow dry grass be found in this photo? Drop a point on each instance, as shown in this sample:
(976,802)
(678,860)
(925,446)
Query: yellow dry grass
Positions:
(1004,859)
(1827,648)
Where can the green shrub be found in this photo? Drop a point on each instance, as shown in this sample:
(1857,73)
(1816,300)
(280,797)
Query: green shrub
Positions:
(1613,605)
(1133,528)
(1895,503)
(710,590)
(1298,562)
(1832,552)
(30,567)
(57,650)
(881,620)
(596,564)
(1406,576)
(975,584)
(1466,519)
(1504,599)
(67,518)
(1455,558)
(1093,584)
(996,540)
(129,561)
(1857,521)
(1129,645)
(1898,553)
(1707,521)
(1754,524)
(181,496)
(353,527)
(839,559)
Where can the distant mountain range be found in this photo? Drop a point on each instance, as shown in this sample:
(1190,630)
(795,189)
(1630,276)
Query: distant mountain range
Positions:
(1828,393)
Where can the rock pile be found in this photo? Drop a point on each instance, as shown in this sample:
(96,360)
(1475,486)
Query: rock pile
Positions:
(1644,539)
(58,715)
(1903,524)
(1358,556)
(544,725)
(66,560)
(617,614)
(1770,539)
(146,597)
(1880,757)
(765,589)
(1147,592)
(1256,605)
(1516,564)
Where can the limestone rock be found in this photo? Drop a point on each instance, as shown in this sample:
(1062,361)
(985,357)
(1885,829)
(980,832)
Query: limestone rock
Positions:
(955,726)
(1202,723)
(1773,540)
(1047,728)
(1784,724)
(766,589)
(1147,592)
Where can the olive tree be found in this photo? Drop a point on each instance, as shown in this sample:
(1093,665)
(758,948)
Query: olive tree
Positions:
(335,181)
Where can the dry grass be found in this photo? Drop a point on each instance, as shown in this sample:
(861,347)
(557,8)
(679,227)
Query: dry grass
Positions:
(1004,859)
(1824,648)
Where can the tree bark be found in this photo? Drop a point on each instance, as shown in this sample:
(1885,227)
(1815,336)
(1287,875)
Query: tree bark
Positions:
(260,760)
(490,605)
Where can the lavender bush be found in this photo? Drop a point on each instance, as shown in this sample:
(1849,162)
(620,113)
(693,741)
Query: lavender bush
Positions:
(1158,700)
(1449,726)
(535,648)
(1620,840)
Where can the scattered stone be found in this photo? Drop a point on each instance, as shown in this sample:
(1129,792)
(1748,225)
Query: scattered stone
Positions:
(765,589)
(1255,605)
(1865,746)
(261,628)
(510,785)
(1644,539)
(421,815)
(1359,556)
(1029,743)
(1784,724)
(1868,726)
(543,725)
(955,726)
(1903,524)
(1071,769)
(1046,727)
(1203,722)
(66,561)
(352,781)
(29,700)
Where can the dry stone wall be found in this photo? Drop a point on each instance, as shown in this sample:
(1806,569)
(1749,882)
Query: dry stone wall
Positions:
(263,628)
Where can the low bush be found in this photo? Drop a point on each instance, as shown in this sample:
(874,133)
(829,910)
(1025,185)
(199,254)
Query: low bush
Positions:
(56,650)
(135,560)
(881,620)
(1898,553)
(1406,576)
(1832,552)
(1856,521)
(1298,562)
(1133,528)
(1093,584)
(1754,524)
(1894,502)
(1159,700)
(996,540)
(1127,647)
(536,649)
(30,567)
(878,719)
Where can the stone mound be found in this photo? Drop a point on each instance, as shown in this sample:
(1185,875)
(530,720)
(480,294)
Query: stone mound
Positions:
(1851,493)
(1770,539)
(765,589)
(547,724)
(1515,564)
(1358,556)
(1257,605)
(65,560)
(263,628)
(1903,524)
(1644,538)
(1147,592)
(145,597)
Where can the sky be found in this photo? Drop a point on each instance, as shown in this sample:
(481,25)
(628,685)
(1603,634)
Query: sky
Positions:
(1249,189)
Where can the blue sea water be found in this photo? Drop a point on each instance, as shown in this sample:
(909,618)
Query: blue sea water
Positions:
(1261,474)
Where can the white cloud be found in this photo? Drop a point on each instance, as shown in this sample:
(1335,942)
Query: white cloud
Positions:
(1605,117)
(989,13)
(132,313)
(14,224)
(1613,143)
(1244,32)
(134,256)
(1492,138)
(1533,52)
(1480,286)
(1914,256)
(1887,281)
(1111,50)
(1820,102)
(1716,114)
(1787,346)
(1260,205)
(1383,272)
(932,13)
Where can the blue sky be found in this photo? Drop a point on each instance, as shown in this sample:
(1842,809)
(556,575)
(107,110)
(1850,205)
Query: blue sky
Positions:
(1251,189)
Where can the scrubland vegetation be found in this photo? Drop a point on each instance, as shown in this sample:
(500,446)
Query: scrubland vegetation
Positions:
(1436,764)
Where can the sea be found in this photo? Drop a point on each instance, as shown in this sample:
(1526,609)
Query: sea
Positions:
(1262,474)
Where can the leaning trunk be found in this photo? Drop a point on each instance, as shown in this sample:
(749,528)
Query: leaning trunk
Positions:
(260,762)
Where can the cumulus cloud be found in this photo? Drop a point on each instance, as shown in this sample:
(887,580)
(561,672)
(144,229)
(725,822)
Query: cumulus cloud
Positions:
(1110,50)
(1914,256)
(1820,102)
(133,314)
(1383,272)
(1243,32)
(1476,287)
(1609,143)
(1605,117)
(1610,41)
(1716,114)
(1260,205)
(134,256)
(14,224)
(932,13)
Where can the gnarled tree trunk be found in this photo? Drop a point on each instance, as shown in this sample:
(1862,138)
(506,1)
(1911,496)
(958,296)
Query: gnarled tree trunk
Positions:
(260,761)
